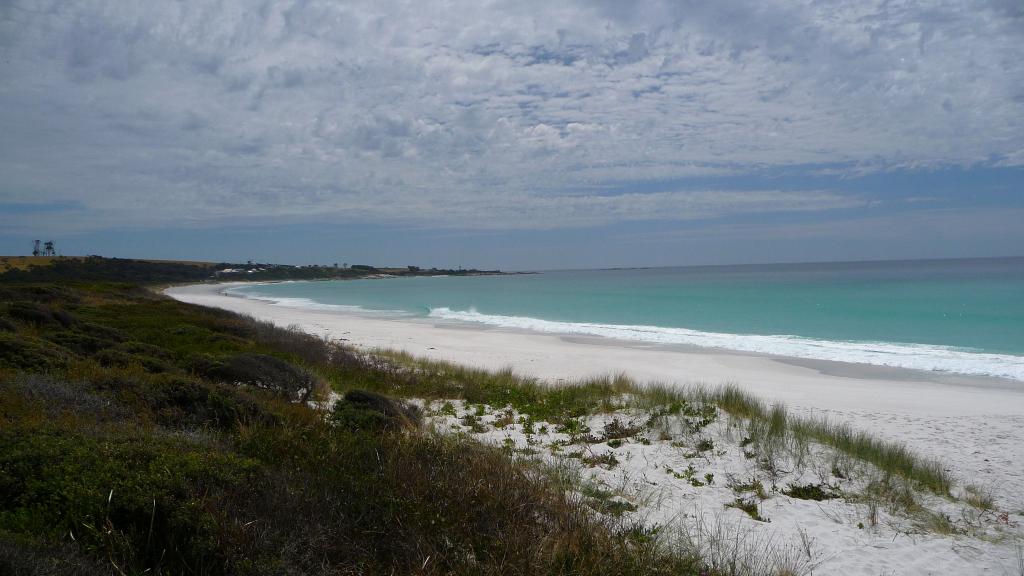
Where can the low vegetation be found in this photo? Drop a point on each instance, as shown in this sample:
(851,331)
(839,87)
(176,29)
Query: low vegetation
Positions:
(817,492)
(139,434)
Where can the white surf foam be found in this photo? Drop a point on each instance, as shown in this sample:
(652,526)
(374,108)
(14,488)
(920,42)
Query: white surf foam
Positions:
(899,355)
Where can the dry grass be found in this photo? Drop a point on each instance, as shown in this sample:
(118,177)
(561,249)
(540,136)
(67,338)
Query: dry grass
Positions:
(24,262)
(730,549)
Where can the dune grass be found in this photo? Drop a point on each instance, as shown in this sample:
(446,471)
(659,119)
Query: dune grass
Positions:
(889,457)
(400,373)
(434,379)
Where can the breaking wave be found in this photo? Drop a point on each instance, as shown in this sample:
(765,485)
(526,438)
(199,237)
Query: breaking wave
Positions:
(899,355)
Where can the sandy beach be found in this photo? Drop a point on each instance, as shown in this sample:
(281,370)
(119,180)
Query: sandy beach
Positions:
(974,425)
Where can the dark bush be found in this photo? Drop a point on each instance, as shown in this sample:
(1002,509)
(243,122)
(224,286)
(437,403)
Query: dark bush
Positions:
(65,318)
(357,418)
(115,358)
(194,337)
(7,326)
(28,353)
(311,349)
(133,347)
(80,343)
(143,501)
(39,293)
(120,359)
(101,332)
(55,397)
(361,411)
(179,402)
(24,556)
(263,371)
(32,313)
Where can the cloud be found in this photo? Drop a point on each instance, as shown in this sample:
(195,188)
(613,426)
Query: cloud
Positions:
(903,234)
(461,210)
(466,112)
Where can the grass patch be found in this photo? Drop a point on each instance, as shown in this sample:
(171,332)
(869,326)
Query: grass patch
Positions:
(752,486)
(606,459)
(750,507)
(614,508)
(816,492)
(979,497)
(605,501)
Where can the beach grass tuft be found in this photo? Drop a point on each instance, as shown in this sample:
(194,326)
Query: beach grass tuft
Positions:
(749,507)
(889,457)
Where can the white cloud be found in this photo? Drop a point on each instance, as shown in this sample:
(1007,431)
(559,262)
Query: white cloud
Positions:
(466,112)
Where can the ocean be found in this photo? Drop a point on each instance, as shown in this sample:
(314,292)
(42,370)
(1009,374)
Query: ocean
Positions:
(956,316)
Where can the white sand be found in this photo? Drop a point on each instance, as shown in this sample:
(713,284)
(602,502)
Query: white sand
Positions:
(973,425)
(833,536)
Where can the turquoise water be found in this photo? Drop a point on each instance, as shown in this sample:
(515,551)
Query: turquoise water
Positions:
(963,316)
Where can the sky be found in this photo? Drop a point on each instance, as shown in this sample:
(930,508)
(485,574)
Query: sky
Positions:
(514,135)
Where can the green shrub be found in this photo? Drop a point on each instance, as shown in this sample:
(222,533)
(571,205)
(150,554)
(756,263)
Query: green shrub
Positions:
(39,314)
(23,352)
(22,555)
(101,332)
(359,410)
(263,371)
(121,359)
(355,418)
(80,343)
(55,398)
(141,500)
(816,492)
(180,402)
(43,293)
(749,507)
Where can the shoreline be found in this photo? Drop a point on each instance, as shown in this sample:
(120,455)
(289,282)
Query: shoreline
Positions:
(973,424)
(708,365)
(930,359)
